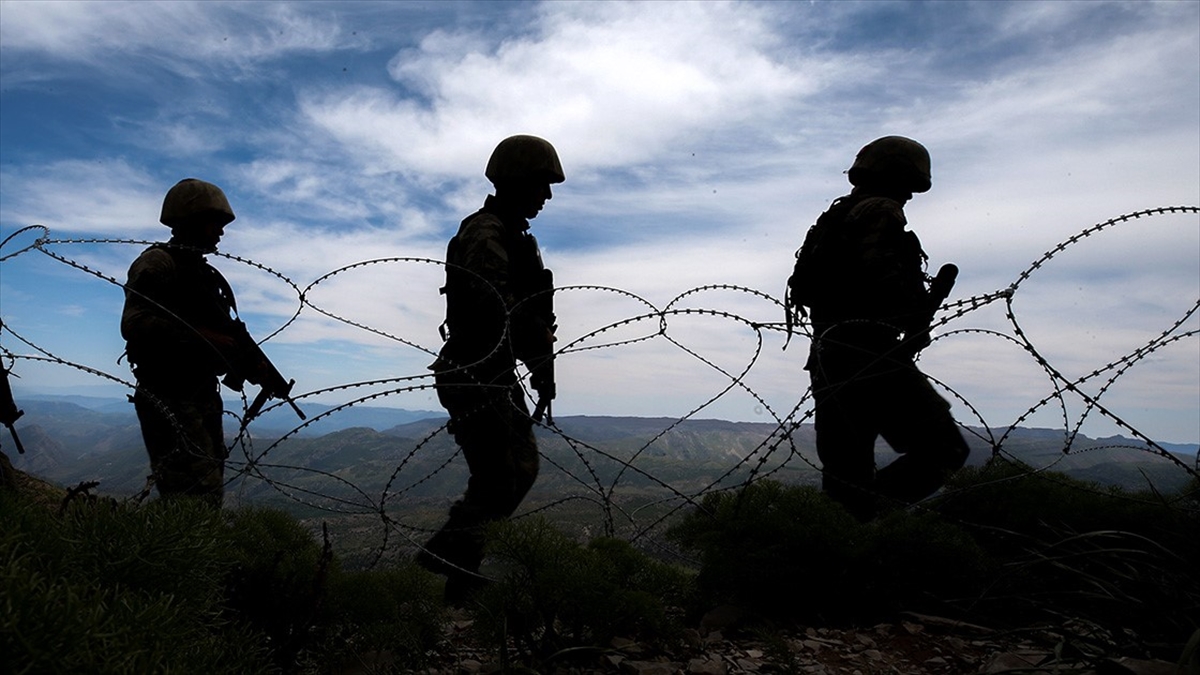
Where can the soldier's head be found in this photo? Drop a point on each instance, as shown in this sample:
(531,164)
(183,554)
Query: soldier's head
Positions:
(522,168)
(196,211)
(892,164)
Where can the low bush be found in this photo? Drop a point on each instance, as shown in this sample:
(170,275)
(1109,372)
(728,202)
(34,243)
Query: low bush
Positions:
(174,586)
(397,611)
(1125,560)
(785,552)
(111,588)
(556,597)
(1003,544)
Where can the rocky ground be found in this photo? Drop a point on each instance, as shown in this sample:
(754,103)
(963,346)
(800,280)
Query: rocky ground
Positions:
(910,645)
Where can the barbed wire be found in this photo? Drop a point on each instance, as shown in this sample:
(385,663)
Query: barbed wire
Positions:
(601,472)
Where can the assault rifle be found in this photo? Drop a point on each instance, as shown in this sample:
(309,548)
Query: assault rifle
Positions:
(8,409)
(250,364)
(541,376)
(939,290)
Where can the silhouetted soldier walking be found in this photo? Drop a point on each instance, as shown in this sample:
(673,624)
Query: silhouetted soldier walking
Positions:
(863,276)
(497,312)
(180,337)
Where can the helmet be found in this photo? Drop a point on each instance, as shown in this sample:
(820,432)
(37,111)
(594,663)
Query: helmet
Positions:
(892,159)
(523,158)
(191,199)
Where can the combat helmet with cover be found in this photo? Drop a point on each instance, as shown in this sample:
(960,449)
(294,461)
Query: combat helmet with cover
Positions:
(192,200)
(892,160)
(523,157)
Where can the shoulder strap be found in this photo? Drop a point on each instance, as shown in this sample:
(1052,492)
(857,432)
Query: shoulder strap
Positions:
(220,284)
(224,290)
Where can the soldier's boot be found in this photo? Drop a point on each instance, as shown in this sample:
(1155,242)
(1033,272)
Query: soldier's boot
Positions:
(461,587)
(437,556)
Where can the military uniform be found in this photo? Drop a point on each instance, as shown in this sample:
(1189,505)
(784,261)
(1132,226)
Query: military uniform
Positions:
(493,267)
(864,379)
(176,305)
(497,312)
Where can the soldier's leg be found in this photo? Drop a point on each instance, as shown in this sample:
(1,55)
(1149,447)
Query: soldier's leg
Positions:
(210,468)
(495,435)
(443,552)
(522,450)
(184,440)
(846,447)
(919,426)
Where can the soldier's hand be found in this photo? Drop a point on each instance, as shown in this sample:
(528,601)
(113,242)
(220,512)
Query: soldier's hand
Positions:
(223,343)
(543,383)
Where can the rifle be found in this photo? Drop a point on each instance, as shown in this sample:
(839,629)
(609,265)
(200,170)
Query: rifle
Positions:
(541,376)
(8,410)
(939,290)
(250,364)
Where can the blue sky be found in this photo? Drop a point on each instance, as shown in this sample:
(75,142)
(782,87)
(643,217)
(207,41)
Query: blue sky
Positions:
(699,140)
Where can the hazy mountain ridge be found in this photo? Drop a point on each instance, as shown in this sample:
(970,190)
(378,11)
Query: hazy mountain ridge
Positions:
(67,443)
(275,420)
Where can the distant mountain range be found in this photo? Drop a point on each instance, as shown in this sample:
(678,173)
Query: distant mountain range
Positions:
(356,454)
(276,420)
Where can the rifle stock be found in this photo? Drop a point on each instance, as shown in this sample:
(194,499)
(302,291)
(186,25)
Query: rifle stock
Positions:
(940,287)
(939,290)
(252,365)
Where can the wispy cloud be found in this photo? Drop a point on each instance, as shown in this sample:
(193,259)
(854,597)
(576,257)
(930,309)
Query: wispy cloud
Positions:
(193,39)
(97,197)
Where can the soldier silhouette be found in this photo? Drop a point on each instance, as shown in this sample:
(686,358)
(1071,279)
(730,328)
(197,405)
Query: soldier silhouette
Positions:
(179,337)
(862,275)
(497,313)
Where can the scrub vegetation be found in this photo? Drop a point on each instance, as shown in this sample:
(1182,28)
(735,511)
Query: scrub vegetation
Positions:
(172,586)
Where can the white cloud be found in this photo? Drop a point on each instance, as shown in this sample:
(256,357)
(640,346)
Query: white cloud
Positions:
(190,37)
(611,84)
(99,198)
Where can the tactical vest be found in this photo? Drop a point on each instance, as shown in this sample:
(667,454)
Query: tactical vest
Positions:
(477,317)
(846,271)
(200,297)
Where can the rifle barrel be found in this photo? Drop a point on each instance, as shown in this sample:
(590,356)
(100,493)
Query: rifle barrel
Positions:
(16,439)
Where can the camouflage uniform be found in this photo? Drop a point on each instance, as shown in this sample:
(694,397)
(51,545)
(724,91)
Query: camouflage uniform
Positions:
(493,266)
(171,294)
(865,382)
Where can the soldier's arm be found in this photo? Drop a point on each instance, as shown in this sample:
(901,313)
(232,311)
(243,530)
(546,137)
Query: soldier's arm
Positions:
(150,318)
(148,301)
(487,262)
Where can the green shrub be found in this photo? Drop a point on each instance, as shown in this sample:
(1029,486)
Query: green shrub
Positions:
(397,610)
(918,561)
(553,594)
(175,586)
(1003,543)
(785,552)
(772,549)
(278,579)
(1117,558)
(1016,505)
(111,588)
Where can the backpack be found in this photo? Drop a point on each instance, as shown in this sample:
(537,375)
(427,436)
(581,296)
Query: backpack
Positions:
(825,249)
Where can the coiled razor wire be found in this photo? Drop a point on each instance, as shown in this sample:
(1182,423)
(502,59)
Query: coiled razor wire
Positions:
(777,451)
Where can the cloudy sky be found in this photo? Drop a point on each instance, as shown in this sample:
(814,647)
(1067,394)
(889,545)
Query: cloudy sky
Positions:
(699,140)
